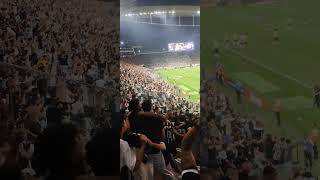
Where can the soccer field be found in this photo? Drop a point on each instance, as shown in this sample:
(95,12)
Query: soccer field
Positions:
(186,79)
(286,70)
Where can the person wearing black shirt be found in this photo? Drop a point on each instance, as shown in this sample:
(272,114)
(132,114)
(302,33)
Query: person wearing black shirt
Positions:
(275,35)
(268,146)
(101,155)
(269,173)
(33,58)
(151,125)
(171,141)
(60,153)
(42,86)
(54,112)
(9,168)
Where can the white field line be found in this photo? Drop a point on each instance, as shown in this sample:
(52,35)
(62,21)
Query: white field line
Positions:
(249,59)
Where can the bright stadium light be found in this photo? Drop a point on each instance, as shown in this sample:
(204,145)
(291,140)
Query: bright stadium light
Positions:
(189,45)
(184,46)
(198,12)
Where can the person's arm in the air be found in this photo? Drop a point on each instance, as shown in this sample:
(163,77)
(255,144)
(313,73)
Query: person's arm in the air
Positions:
(177,133)
(187,157)
(161,146)
(153,115)
(140,153)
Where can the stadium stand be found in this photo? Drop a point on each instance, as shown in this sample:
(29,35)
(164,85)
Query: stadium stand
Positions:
(235,143)
(59,82)
(146,97)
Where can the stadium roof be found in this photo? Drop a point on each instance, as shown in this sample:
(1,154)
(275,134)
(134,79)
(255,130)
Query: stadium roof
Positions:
(167,2)
(157,2)
(127,3)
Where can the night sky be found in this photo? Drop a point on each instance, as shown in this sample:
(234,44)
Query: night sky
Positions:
(168,2)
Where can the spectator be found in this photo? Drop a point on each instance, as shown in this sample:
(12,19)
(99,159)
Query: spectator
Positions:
(128,157)
(99,153)
(269,173)
(56,58)
(9,168)
(151,125)
(308,152)
(60,151)
(189,168)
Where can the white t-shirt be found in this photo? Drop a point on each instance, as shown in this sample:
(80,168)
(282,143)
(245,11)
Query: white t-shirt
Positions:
(127,155)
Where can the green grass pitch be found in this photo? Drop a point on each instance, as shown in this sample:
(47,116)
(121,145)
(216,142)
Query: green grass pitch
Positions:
(286,70)
(186,79)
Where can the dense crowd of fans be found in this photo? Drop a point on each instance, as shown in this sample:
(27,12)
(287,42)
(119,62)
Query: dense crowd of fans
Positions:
(163,119)
(59,38)
(144,84)
(235,144)
(166,59)
(59,73)
(59,78)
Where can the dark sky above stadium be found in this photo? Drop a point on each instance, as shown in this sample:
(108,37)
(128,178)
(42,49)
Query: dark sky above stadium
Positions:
(168,2)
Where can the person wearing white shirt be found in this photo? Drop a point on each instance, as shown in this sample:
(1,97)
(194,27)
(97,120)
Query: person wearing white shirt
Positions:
(26,150)
(129,157)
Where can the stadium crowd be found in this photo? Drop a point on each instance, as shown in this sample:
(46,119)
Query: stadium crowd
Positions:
(235,144)
(51,36)
(162,118)
(144,84)
(165,59)
(58,87)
